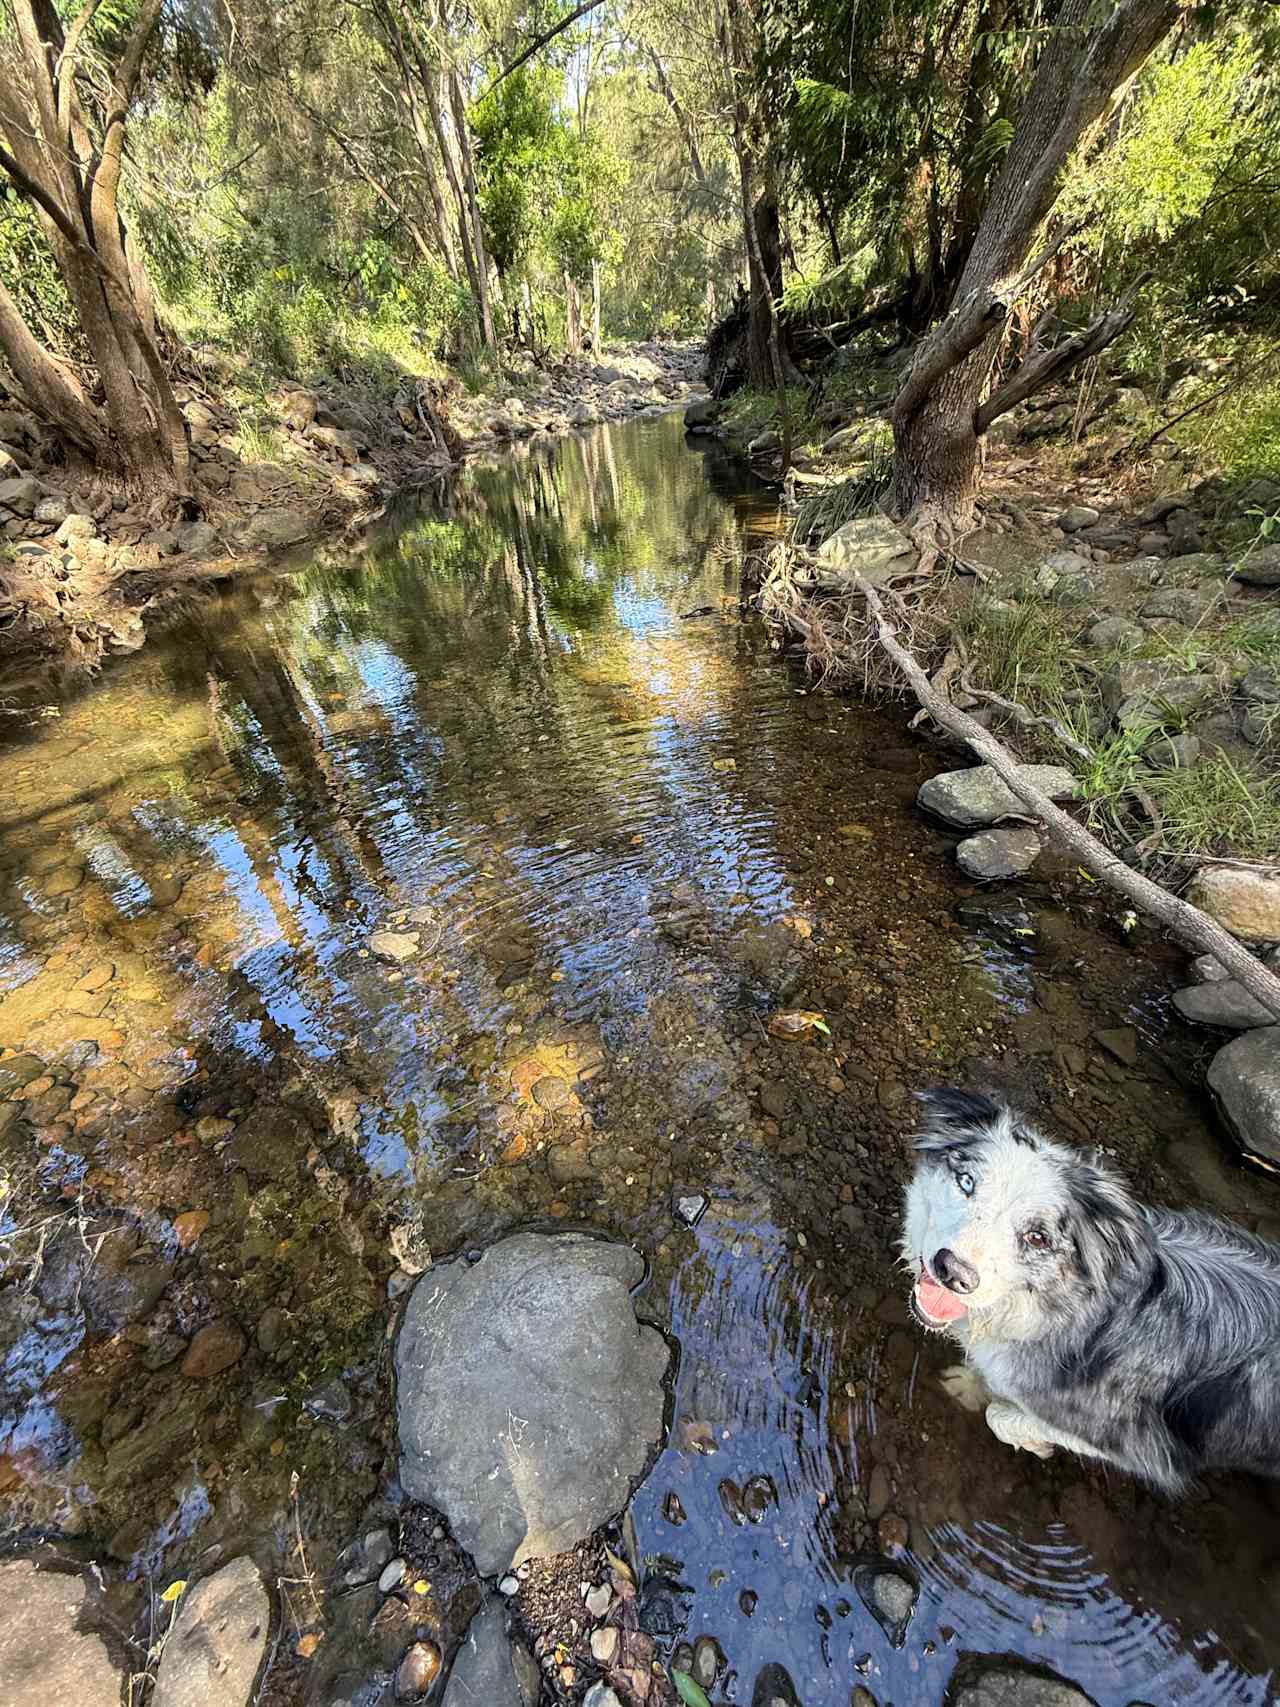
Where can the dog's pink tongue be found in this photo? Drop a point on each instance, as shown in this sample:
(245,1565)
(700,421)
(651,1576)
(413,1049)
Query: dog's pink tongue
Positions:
(937,1302)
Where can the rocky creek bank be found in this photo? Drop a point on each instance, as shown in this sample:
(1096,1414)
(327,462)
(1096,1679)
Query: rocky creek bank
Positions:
(501,1574)
(1131,637)
(81,565)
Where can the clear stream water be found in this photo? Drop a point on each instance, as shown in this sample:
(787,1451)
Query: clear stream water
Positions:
(620,835)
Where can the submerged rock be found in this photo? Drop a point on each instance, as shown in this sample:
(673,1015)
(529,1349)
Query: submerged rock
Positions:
(1245,1077)
(394,945)
(1005,1685)
(992,854)
(1247,903)
(44,1656)
(485,1667)
(530,1398)
(217,1642)
(974,798)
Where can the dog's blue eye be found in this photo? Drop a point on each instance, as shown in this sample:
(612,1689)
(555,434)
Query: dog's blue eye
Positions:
(965,1182)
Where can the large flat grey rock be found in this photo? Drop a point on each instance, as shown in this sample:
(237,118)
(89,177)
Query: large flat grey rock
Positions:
(484,1669)
(1224,1002)
(212,1656)
(530,1398)
(870,546)
(44,1658)
(974,798)
(1245,1077)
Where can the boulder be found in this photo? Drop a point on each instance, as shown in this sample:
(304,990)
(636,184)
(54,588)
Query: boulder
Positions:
(871,546)
(1260,568)
(1011,1685)
(273,530)
(45,1656)
(993,854)
(1244,1076)
(196,538)
(485,1667)
(217,1642)
(530,1398)
(1112,633)
(701,414)
(1173,752)
(298,409)
(20,495)
(346,446)
(1247,903)
(1166,702)
(976,798)
(1078,516)
(765,443)
(848,438)
(1223,1002)
(51,511)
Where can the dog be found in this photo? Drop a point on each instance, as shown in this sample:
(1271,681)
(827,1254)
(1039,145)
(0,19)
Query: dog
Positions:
(1140,1336)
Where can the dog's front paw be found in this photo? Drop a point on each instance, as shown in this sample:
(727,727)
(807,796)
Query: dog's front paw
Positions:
(965,1387)
(1017,1429)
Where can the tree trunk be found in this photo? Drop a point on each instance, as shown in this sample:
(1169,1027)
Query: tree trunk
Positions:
(473,205)
(937,441)
(72,177)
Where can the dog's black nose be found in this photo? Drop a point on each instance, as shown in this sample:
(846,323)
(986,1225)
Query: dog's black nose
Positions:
(954,1272)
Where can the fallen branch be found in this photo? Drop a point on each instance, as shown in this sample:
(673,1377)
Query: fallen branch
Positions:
(1192,928)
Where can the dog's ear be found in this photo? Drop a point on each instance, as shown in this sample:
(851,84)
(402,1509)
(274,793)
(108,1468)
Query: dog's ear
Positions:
(1105,1223)
(955,1118)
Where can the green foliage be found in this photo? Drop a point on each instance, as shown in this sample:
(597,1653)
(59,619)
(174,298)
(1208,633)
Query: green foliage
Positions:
(1242,435)
(1216,805)
(547,191)
(29,271)
(1172,147)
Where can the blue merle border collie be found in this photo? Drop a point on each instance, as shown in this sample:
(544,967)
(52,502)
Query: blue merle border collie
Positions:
(1089,1321)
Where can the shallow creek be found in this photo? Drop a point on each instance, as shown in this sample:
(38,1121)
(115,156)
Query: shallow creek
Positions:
(611,836)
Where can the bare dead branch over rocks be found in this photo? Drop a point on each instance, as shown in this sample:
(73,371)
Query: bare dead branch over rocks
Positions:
(1192,928)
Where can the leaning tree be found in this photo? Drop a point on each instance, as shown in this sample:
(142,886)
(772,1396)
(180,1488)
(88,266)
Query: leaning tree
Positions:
(947,400)
(65,95)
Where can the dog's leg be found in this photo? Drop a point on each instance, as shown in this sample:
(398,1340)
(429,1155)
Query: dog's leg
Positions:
(1018,1428)
(966,1386)
(1028,1433)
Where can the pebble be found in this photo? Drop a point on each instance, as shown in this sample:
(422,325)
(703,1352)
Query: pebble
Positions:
(551,1093)
(394,945)
(417,1671)
(598,1600)
(509,1586)
(893,1596)
(393,1576)
(893,1533)
(706,1661)
(691,1209)
(600,1695)
(216,1347)
(604,1645)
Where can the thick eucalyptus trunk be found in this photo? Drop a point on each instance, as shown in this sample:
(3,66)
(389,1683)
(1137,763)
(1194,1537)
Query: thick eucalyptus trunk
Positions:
(937,417)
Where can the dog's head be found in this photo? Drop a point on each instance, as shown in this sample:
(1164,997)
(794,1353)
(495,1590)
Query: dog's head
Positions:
(1005,1229)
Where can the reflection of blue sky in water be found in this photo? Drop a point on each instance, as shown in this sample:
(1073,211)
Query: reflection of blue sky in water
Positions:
(756,1370)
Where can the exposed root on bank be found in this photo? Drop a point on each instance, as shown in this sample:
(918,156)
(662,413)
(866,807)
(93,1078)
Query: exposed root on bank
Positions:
(834,624)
